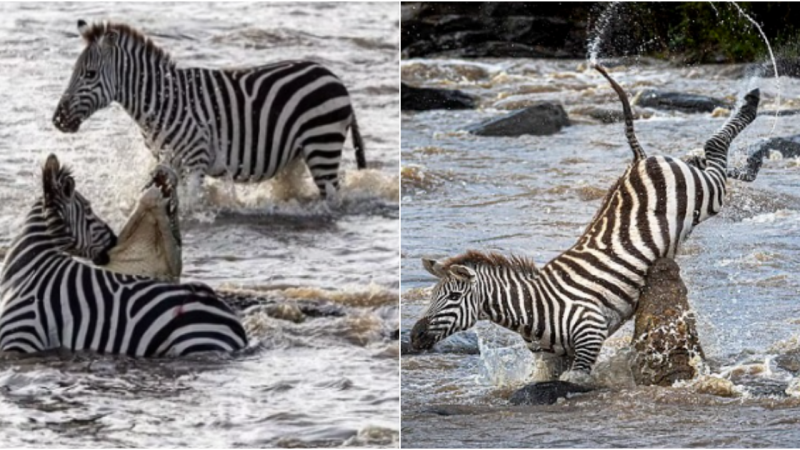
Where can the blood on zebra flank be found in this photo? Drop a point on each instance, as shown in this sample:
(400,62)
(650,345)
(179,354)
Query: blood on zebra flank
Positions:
(567,309)
(51,300)
(246,124)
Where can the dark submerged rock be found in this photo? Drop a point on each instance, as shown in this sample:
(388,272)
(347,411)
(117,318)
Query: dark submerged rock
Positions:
(425,99)
(540,120)
(546,393)
(665,334)
(679,101)
(788,147)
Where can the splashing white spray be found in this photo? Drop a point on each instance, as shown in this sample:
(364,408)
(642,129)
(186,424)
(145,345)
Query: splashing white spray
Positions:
(774,64)
(599,28)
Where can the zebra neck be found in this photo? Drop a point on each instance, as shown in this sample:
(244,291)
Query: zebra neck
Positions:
(35,244)
(508,297)
(150,93)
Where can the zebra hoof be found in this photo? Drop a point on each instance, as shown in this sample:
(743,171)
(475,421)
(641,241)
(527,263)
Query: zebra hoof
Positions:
(546,393)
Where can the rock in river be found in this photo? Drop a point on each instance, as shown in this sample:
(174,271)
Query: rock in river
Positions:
(679,101)
(665,335)
(424,99)
(540,119)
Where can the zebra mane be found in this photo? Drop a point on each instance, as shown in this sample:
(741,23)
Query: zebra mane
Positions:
(493,259)
(99,29)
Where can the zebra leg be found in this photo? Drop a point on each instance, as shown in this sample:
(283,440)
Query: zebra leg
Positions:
(323,162)
(588,338)
(716,148)
(748,173)
(752,166)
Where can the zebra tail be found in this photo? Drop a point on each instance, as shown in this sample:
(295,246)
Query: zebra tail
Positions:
(638,152)
(358,143)
(716,148)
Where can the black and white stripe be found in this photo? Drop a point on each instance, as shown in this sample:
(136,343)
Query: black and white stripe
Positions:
(52,301)
(246,124)
(581,297)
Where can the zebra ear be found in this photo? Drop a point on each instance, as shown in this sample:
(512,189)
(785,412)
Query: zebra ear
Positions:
(50,178)
(83,28)
(433,267)
(463,273)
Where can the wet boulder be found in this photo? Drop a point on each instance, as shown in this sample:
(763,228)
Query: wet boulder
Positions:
(665,334)
(541,119)
(788,147)
(425,99)
(679,101)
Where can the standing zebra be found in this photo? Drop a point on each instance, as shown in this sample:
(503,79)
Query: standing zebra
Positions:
(51,300)
(246,124)
(568,308)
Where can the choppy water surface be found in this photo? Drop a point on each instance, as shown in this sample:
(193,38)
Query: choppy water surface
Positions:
(325,381)
(534,195)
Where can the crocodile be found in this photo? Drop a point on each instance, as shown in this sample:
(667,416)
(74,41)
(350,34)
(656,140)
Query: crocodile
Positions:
(150,242)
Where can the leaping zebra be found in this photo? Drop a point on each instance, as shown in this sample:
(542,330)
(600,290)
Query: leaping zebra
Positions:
(51,300)
(568,308)
(246,124)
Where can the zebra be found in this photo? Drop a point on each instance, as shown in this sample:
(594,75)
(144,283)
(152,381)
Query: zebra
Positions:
(50,300)
(243,124)
(565,310)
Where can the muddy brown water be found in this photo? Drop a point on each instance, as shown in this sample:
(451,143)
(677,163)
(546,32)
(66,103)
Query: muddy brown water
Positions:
(533,196)
(328,381)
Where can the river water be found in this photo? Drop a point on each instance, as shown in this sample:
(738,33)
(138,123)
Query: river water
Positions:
(533,196)
(327,381)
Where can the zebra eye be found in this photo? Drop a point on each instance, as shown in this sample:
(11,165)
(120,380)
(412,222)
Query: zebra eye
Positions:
(91,73)
(454,296)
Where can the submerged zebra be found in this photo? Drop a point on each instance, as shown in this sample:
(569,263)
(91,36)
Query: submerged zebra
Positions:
(566,309)
(246,124)
(51,300)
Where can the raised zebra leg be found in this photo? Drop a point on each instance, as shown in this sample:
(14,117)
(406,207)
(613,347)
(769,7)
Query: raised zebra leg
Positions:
(323,162)
(748,173)
(716,148)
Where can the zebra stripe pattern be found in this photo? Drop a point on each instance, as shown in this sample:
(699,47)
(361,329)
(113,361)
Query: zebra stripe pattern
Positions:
(570,306)
(51,300)
(246,124)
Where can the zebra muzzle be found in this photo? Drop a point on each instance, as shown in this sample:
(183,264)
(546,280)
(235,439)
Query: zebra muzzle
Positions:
(103,257)
(64,122)
(421,338)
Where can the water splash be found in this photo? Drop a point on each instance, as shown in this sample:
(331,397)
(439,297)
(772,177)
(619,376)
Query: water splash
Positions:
(774,64)
(599,29)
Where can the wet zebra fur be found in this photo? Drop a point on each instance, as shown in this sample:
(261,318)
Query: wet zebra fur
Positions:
(571,305)
(246,124)
(51,300)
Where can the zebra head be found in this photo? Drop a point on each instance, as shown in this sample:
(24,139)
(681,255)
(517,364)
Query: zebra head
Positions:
(93,83)
(70,218)
(454,307)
